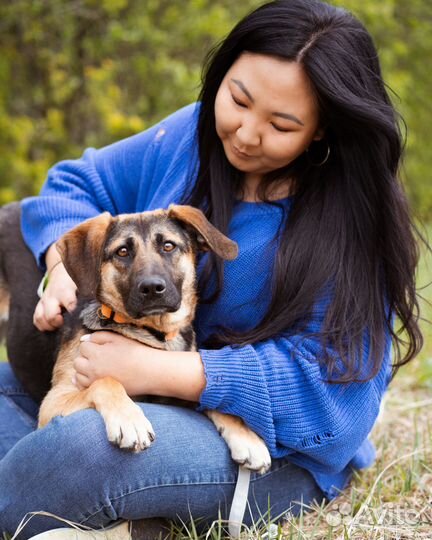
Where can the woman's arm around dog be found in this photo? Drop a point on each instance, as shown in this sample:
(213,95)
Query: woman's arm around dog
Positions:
(141,370)
(277,387)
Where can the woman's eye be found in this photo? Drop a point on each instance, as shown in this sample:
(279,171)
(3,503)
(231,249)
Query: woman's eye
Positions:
(122,252)
(282,130)
(168,247)
(237,102)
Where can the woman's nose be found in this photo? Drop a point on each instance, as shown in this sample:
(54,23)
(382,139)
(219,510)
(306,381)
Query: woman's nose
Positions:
(248,134)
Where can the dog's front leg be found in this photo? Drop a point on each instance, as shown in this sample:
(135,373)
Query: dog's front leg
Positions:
(126,424)
(246,447)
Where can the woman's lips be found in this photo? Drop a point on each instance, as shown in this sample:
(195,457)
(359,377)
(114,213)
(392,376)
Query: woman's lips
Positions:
(239,153)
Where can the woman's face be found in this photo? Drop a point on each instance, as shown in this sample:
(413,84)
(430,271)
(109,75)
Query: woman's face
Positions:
(266,114)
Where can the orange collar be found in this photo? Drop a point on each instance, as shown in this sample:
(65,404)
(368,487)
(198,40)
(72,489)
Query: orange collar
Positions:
(107,313)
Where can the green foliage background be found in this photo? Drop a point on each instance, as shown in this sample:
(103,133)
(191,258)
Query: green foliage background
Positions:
(78,73)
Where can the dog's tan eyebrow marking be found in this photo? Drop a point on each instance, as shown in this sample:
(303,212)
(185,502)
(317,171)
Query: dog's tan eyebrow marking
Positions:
(129,241)
(167,236)
(121,241)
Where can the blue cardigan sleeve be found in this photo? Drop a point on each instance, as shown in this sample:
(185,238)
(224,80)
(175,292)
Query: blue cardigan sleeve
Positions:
(75,190)
(116,179)
(279,389)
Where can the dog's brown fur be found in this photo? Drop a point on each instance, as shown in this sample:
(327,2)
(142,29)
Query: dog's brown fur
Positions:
(91,255)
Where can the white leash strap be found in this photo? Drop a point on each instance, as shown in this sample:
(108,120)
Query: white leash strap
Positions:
(239,502)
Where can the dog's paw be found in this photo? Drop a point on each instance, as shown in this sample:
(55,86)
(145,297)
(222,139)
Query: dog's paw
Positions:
(129,429)
(246,447)
(248,450)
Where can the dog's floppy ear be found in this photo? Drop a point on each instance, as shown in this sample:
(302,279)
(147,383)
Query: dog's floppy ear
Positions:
(81,252)
(208,236)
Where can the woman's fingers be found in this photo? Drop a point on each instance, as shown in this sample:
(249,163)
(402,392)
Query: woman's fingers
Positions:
(85,372)
(52,309)
(43,322)
(100,338)
(81,381)
(60,293)
(68,299)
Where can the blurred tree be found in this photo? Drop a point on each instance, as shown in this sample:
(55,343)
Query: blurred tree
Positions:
(77,73)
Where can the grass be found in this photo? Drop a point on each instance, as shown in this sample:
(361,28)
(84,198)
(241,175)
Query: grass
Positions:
(393,498)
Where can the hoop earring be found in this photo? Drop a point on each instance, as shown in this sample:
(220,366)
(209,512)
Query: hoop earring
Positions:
(324,160)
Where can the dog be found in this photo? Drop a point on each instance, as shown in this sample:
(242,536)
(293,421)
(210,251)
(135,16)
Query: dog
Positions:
(135,275)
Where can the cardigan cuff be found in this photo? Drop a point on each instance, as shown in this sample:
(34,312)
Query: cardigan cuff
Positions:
(228,372)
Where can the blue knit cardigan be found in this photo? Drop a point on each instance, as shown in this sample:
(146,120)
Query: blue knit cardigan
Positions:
(276,386)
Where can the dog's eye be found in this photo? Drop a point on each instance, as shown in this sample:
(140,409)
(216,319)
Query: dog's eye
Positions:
(122,252)
(168,246)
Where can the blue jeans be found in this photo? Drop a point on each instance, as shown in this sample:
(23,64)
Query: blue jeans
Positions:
(70,469)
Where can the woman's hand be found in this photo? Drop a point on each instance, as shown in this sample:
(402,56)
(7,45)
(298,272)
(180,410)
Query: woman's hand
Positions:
(59,293)
(140,369)
(107,354)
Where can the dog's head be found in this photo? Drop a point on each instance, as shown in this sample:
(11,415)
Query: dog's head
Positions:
(143,265)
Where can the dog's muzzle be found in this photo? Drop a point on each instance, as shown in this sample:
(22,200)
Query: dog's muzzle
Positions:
(153,296)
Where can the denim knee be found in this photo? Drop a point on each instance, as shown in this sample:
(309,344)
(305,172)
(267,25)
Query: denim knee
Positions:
(55,469)
(70,469)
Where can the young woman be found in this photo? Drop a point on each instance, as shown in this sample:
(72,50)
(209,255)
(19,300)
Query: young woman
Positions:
(293,151)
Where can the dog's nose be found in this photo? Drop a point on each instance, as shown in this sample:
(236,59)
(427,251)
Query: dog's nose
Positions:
(153,287)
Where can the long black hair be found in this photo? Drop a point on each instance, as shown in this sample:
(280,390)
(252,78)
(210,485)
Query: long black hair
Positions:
(349,229)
